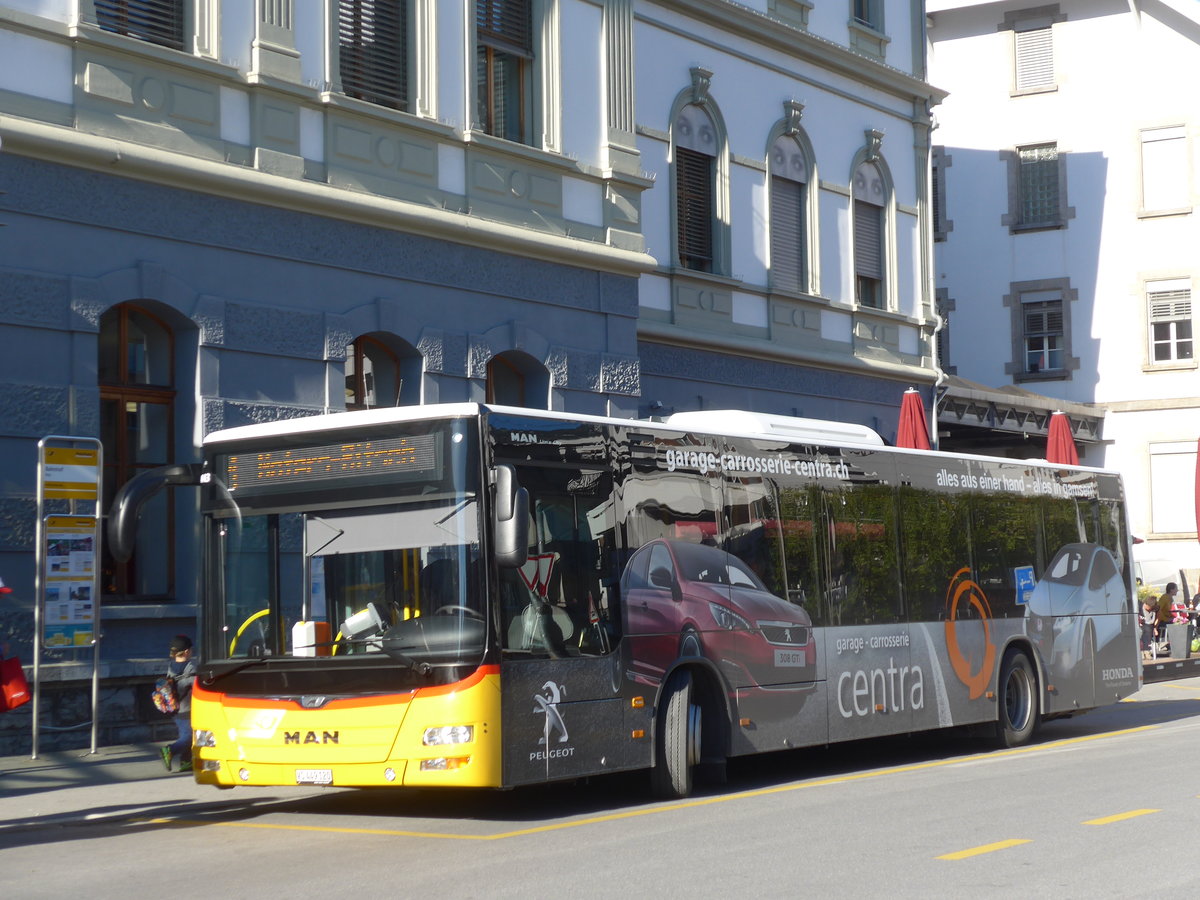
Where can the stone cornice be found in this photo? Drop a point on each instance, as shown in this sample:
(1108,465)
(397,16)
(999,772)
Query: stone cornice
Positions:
(122,158)
(743,22)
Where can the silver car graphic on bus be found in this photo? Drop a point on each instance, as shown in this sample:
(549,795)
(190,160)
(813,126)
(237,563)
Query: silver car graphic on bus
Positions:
(1075,610)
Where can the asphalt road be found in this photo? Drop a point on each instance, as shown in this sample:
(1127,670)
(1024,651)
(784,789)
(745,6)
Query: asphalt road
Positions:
(1089,810)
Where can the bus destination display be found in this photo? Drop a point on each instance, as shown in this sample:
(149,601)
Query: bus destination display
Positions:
(391,459)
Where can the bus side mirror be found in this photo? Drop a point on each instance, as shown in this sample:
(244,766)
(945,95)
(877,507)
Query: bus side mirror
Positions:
(512,519)
(123,514)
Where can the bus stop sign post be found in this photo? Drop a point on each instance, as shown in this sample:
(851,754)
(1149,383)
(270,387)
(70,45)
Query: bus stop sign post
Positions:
(67,577)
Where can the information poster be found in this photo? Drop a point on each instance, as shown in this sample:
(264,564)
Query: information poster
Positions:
(70,619)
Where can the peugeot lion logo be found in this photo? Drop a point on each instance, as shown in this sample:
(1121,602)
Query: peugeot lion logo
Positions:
(547,703)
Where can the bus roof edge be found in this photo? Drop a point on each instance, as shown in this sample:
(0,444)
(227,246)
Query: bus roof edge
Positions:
(791,428)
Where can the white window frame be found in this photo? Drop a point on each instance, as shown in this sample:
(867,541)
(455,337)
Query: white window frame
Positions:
(1170,302)
(1165,173)
(1171,473)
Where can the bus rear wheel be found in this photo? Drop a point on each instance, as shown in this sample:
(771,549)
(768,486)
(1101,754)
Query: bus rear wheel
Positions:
(676,740)
(1017,715)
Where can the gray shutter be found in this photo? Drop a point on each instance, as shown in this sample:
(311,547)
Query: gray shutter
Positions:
(694,208)
(154,21)
(868,253)
(373,51)
(788,245)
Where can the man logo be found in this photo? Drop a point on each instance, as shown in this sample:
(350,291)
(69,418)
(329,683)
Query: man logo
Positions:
(311,737)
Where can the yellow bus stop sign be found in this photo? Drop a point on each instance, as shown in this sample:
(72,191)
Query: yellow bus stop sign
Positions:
(70,473)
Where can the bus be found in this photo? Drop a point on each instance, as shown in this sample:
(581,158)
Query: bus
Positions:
(467,595)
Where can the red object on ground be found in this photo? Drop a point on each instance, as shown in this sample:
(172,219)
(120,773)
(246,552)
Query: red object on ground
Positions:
(1060,444)
(911,431)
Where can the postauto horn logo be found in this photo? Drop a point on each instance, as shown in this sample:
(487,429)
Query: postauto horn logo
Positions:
(963,594)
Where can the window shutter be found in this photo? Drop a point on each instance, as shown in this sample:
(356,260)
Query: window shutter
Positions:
(373,51)
(694,208)
(935,201)
(1170,306)
(787,234)
(868,256)
(506,25)
(154,21)
(1035,58)
(1044,318)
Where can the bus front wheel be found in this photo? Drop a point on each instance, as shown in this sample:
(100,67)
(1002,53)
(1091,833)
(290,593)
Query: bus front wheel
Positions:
(677,739)
(1017,706)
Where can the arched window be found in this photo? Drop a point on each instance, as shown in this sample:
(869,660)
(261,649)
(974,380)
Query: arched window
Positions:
(517,379)
(136,374)
(870,206)
(789,215)
(695,145)
(381,371)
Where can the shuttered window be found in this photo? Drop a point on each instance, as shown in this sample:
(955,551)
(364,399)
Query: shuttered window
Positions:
(868,254)
(694,208)
(1038,185)
(1170,317)
(1043,335)
(373,51)
(1034,58)
(504,53)
(788,263)
(154,21)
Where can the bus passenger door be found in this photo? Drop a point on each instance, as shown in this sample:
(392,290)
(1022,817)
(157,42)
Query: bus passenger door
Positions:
(562,707)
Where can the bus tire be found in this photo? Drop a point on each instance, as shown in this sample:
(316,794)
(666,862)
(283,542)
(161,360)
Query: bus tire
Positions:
(1017,706)
(676,740)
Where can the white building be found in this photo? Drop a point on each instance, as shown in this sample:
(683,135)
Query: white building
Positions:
(1066,160)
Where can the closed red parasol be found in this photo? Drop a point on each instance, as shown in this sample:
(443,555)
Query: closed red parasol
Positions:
(1060,444)
(911,431)
(1198,489)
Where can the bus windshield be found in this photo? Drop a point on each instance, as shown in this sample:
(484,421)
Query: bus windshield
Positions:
(341,560)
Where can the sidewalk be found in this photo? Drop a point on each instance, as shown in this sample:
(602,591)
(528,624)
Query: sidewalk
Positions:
(122,784)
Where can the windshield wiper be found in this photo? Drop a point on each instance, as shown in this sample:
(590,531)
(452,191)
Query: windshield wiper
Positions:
(213,678)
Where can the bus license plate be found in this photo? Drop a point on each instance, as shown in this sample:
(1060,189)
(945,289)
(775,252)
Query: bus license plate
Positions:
(789,657)
(314,776)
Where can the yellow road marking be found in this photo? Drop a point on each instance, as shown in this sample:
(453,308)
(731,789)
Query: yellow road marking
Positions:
(986,848)
(674,807)
(1120,817)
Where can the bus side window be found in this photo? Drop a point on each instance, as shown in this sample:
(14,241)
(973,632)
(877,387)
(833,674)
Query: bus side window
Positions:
(800,534)
(864,585)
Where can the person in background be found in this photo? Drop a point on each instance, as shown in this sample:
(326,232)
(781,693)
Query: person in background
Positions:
(1164,612)
(1148,617)
(183,670)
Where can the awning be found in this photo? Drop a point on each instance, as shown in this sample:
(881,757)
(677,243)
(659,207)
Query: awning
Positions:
(1008,421)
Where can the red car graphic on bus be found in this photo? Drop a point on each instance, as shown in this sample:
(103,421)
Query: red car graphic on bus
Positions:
(686,599)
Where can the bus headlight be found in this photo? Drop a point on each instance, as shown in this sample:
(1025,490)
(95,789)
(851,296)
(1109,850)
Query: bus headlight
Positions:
(448,734)
(204,738)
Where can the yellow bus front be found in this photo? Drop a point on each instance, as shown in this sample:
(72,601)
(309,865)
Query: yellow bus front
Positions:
(445,735)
